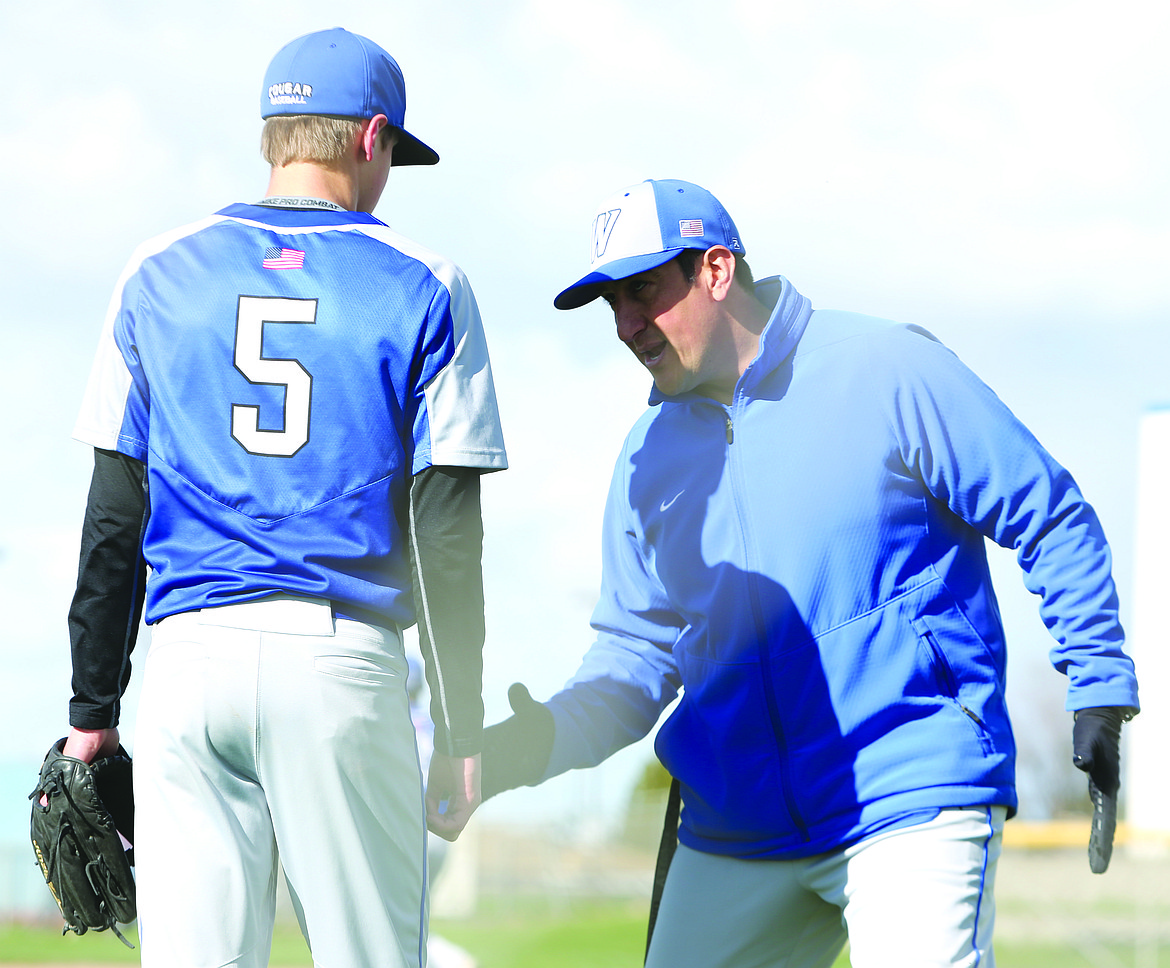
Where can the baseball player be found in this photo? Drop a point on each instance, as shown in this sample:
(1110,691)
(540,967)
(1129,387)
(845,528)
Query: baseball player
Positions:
(794,548)
(291,407)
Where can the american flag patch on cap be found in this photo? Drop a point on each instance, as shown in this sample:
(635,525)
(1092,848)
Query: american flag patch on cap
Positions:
(690,227)
(278,258)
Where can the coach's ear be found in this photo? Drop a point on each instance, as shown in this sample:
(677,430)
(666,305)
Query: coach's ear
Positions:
(516,751)
(718,271)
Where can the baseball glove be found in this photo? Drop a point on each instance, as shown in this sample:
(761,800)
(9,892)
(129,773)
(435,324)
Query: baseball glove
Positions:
(75,838)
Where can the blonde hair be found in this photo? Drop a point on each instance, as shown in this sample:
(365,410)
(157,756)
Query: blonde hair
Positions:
(312,138)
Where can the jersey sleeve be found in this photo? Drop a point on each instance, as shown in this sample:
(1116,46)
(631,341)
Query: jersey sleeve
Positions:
(974,455)
(113,414)
(458,422)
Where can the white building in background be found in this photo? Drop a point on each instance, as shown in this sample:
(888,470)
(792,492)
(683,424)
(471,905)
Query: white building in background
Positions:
(1147,752)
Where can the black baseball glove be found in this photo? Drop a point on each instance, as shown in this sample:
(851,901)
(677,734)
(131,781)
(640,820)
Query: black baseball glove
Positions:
(75,838)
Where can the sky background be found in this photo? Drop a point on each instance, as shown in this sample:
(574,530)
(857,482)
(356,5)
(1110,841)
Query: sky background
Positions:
(993,171)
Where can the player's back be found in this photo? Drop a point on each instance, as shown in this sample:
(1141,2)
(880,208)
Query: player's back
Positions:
(277,364)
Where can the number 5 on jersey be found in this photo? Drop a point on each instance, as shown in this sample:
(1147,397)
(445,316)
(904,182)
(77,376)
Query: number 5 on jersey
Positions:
(251,315)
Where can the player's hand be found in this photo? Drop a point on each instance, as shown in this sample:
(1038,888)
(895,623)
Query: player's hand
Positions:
(88,745)
(516,751)
(452,793)
(91,744)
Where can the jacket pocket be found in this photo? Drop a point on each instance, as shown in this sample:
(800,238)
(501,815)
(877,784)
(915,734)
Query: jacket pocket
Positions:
(950,688)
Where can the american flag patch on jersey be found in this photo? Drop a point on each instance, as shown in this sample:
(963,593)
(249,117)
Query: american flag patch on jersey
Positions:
(278,258)
(690,227)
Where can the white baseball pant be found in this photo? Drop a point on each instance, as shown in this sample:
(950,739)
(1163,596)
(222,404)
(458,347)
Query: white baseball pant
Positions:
(272,734)
(917,897)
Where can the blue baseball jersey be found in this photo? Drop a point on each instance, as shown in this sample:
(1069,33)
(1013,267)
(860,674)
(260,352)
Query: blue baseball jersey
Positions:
(283,373)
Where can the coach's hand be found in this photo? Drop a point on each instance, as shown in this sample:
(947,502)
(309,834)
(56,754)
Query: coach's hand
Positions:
(516,751)
(1097,751)
(1097,745)
(452,793)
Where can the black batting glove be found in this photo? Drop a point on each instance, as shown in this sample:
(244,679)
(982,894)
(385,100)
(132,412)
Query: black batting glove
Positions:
(516,751)
(1096,750)
(1097,745)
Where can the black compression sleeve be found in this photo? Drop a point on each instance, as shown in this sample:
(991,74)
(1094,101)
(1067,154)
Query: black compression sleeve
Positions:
(111,584)
(447,542)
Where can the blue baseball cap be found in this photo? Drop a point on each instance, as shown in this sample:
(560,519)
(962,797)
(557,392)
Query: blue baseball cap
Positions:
(339,74)
(641,227)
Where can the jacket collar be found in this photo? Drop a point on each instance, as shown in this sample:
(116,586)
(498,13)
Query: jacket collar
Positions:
(790,316)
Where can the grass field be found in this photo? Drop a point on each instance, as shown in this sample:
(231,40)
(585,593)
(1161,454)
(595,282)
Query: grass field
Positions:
(1051,913)
(608,936)
(595,934)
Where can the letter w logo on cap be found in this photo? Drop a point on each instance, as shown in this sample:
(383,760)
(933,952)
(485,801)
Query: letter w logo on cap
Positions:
(603,227)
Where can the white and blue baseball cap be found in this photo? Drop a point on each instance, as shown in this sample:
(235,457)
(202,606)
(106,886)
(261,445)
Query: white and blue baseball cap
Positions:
(339,74)
(641,227)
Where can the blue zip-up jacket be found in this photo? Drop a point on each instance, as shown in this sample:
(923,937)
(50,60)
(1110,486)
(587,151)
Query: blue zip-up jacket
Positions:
(807,568)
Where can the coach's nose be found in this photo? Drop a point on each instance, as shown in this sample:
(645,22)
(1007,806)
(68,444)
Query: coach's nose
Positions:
(628,317)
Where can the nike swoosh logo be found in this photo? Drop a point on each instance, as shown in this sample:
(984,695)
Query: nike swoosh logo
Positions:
(665,505)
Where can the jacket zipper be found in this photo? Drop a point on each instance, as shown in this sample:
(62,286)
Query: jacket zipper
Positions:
(766,671)
(947,677)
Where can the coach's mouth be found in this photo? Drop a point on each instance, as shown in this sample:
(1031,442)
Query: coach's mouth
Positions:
(651,354)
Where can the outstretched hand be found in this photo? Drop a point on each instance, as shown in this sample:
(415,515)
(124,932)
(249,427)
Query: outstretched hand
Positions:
(516,751)
(452,793)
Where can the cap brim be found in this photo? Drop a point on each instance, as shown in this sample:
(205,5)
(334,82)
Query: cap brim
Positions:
(408,150)
(589,287)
